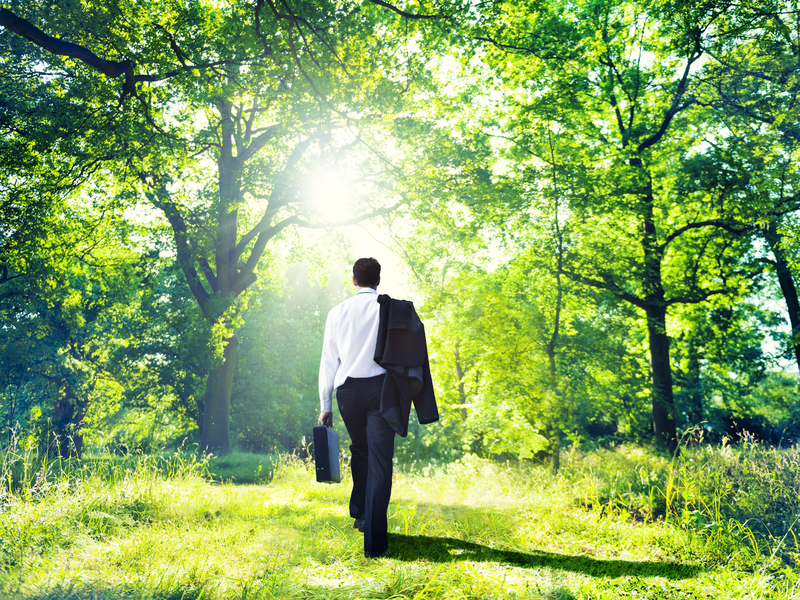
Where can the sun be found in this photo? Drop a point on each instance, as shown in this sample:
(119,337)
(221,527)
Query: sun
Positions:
(332,195)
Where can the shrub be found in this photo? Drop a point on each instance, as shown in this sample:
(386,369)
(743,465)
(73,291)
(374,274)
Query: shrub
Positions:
(737,500)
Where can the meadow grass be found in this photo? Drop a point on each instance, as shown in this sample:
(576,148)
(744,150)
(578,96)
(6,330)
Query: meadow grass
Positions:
(622,523)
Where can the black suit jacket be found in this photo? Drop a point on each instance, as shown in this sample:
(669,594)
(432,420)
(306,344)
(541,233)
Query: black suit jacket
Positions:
(402,350)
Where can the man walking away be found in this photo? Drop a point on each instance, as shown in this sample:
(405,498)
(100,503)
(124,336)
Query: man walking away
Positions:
(348,366)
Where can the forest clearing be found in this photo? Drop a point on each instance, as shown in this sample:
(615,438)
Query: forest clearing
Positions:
(590,208)
(622,523)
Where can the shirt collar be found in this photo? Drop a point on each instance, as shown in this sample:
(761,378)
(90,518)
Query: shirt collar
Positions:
(366,291)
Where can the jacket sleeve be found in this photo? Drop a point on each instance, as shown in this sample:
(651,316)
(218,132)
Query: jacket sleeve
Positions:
(425,401)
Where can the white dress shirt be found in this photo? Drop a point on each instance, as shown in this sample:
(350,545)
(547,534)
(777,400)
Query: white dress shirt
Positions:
(351,333)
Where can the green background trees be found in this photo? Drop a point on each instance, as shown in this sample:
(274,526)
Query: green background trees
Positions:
(595,200)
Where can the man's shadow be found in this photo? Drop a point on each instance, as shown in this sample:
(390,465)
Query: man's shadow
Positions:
(440,549)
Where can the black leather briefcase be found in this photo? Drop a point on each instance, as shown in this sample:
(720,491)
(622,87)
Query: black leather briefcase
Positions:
(326,455)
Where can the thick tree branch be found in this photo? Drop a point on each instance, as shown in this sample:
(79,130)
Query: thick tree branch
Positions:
(678,104)
(404,13)
(29,31)
(183,69)
(5,278)
(209,273)
(709,223)
(109,68)
(699,296)
(608,284)
(247,276)
(624,132)
(259,142)
(156,192)
(277,199)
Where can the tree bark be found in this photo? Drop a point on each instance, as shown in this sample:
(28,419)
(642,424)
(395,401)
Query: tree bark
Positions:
(655,307)
(663,403)
(215,436)
(462,395)
(774,239)
(64,438)
(691,385)
(552,343)
(556,465)
(110,68)
(551,361)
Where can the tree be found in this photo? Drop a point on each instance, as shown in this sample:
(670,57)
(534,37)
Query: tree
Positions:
(228,107)
(60,310)
(752,83)
(620,78)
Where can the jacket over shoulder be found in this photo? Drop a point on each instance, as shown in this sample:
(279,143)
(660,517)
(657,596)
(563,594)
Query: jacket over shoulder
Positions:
(401,349)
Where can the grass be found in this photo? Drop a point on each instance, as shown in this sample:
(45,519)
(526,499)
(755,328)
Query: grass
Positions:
(616,524)
(242,467)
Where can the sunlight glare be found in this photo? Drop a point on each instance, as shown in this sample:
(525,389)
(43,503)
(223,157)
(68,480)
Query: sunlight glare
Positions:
(332,195)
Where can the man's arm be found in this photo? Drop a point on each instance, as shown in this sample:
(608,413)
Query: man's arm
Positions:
(328,365)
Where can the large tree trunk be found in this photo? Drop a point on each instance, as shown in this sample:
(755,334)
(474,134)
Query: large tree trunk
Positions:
(663,404)
(655,307)
(774,239)
(64,439)
(215,432)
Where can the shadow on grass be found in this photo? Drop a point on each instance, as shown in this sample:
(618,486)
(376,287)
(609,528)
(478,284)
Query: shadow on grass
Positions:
(411,548)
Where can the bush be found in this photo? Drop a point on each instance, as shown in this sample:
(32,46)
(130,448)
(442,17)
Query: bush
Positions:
(742,497)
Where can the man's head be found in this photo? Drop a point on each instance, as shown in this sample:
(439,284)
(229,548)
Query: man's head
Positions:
(367,273)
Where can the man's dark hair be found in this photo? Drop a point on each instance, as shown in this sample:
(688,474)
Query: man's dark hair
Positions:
(367,272)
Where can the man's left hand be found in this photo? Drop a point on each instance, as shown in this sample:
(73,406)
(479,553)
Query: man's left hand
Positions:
(326,419)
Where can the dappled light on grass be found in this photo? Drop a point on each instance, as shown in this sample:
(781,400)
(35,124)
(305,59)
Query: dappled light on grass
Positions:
(470,529)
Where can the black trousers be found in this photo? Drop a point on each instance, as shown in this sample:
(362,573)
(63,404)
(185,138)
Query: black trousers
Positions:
(373,450)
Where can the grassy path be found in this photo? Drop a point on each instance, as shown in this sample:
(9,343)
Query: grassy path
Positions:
(474,531)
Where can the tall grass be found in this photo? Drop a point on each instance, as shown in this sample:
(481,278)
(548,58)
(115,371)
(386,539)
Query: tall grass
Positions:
(737,505)
(51,502)
(625,522)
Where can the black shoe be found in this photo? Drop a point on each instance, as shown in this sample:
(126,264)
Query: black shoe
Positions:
(359,524)
(377,554)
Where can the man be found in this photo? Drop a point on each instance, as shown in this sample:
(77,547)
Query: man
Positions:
(348,366)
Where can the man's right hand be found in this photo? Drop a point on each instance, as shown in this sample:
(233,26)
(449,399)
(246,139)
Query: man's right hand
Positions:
(326,419)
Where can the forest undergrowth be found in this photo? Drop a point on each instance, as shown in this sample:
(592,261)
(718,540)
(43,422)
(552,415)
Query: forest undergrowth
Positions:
(625,522)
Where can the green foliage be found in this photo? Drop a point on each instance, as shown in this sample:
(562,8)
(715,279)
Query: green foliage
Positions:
(769,410)
(229,112)
(720,361)
(169,349)
(275,395)
(488,340)
(594,186)
(615,174)
(63,318)
(243,467)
